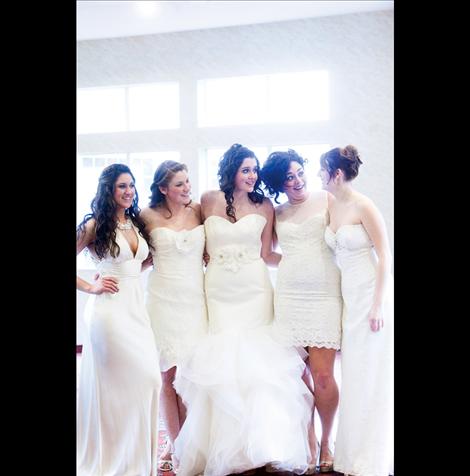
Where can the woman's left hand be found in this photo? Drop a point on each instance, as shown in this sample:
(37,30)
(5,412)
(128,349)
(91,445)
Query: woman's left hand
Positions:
(376,321)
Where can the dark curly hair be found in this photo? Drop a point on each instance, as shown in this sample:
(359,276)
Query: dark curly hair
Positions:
(229,164)
(103,210)
(164,173)
(274,171)
(346,158)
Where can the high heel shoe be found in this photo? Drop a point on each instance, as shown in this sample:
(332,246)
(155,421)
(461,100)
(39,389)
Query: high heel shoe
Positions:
(166,464)
(312,467)
(326,465)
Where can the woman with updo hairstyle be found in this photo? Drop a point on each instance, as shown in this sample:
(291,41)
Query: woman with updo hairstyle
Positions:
(119,387)
(247,405)
(307,296)
(175,289)
(358,236)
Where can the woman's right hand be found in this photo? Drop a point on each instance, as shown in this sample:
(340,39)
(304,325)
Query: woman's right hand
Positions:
(106,284)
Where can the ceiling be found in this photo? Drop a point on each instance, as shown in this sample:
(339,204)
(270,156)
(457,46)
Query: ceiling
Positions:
(112,19)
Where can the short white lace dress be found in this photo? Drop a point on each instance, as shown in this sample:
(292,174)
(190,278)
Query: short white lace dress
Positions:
(307,298)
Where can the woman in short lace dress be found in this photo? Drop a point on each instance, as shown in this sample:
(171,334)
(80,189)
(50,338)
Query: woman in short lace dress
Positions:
(307,298)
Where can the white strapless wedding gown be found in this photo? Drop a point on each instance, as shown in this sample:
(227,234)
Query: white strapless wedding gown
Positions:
(364,441)
(175,292)
(119,387)
(247,404)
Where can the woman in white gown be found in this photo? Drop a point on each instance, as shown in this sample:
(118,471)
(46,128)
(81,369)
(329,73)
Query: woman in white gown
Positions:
(307,297)
(247,403)
(119,387)
(357,234)
(175,289)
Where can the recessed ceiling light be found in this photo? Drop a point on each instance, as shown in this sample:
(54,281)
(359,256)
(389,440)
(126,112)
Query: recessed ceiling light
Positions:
(147,8)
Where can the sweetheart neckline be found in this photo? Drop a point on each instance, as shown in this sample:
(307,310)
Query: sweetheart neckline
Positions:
(341,226)
(174,231)
(239,220)
(319,214)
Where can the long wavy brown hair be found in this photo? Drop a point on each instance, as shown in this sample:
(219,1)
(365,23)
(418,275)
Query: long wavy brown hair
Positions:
(103,210)
(228,168)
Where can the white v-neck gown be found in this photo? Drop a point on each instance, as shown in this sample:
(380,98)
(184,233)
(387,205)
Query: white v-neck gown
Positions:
(119,387)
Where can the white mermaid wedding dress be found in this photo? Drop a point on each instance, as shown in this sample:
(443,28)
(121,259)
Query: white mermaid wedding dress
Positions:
(247,405)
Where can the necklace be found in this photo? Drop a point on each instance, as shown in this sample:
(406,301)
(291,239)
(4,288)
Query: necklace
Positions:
(124,226)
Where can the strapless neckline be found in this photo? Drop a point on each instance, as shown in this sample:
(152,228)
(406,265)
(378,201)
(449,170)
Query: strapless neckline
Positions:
(176,231)
(341,226)
(317,215)
(239,220)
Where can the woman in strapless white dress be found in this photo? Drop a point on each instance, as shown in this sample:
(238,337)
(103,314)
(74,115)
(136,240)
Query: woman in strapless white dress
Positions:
(357,234)
(307,298)
(175,289)
(247,405)
(119,387)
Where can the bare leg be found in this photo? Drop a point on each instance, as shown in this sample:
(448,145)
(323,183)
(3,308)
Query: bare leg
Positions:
(170,411)
(322,362)
(181,410)
(312,439)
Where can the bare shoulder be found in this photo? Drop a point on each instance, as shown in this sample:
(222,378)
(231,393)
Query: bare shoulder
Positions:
(146,213)
(366,207)
(364,203)
(90,226)
(267,203)
(87,234)
(210,196)
(266,207)
(280,209)
(196,208)
(330,198)
(150,215)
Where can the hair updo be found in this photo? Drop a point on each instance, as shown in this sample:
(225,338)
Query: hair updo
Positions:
(275,170)
(347,159)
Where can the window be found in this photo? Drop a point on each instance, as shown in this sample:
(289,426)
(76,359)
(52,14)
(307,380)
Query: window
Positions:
(260,99)
(128,108)
(101,110)
(154,106)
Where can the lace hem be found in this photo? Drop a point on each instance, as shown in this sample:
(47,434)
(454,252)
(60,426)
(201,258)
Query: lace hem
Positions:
(308,339)
(312,343)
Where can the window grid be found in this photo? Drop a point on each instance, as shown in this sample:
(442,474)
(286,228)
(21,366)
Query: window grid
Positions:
(110,109)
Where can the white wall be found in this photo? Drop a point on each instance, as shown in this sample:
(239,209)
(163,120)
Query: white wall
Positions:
(356,49)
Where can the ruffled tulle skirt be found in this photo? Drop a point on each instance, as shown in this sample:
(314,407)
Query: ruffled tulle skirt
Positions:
(246,405)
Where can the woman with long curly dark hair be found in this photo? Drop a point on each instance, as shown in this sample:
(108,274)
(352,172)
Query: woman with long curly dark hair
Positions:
(247,405)
(119,388)
(175,297)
